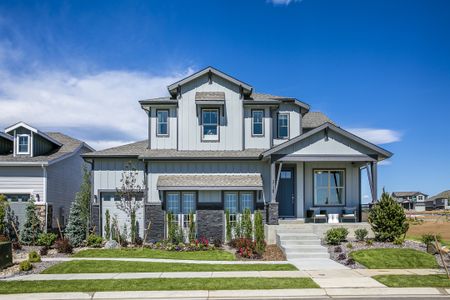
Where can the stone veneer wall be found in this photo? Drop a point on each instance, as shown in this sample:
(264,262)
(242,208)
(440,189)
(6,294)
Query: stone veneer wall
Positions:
(211,224)
(272,213)
(95,218)
(154,214)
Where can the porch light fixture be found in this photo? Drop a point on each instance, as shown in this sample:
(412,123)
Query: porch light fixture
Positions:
(38,197)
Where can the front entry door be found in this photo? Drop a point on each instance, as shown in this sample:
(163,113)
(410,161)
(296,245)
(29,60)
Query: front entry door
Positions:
(286,193)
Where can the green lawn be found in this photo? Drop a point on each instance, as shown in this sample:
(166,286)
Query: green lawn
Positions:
(110,266)
(152,253)
(154,284)
(414,280)
(394,259)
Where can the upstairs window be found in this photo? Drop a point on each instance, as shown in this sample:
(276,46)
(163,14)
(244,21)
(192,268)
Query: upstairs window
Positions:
(210,124)
(162,127)
(257,122)
(283,126)
(23,144)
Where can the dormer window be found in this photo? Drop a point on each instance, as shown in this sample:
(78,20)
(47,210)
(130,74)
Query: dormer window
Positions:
(23,144)
(162,128)
(210,124)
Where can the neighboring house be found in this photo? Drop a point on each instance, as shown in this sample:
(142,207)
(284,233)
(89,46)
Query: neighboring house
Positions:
(411,200)
(45,166)
(216,145)
(438,202)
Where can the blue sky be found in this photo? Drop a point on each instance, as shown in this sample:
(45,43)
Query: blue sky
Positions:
(379,68)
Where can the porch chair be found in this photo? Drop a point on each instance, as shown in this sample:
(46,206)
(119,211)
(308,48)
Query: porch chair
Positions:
(318,214)
(348,213)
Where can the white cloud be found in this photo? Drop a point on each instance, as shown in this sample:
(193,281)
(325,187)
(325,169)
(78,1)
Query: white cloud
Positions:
(283,2)
(377,136)
(100,108)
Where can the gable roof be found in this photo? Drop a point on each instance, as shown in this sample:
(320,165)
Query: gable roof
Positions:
(262,98)
(247,89)
(442,195)
(328,126)
(34,130)
(407,194)
(69,146)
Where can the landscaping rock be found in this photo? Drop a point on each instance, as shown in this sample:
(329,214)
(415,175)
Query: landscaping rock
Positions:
(431,248)
(112,244)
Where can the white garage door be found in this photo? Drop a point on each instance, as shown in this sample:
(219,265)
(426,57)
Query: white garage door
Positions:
(109,202)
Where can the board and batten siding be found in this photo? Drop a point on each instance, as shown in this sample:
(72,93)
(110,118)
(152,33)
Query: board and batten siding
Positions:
(206,167)
(257,142)
(108,172)
(64,179)
(163,142)
(189,116)
(294,121)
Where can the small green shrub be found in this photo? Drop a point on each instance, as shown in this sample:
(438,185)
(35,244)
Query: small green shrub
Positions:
(247,226)
(335,236)
(388,219)
(228,234)
(192,232)
(33,257)
(63,246)
(369,242)
(46,239)
(107,225)
(25,266)
(399,241)
(349,246)
(259,233)
(361,234)
(428,238)
(94,240)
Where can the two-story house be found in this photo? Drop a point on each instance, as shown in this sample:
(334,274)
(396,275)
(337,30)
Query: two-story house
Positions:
(411,200)
(215,145)
(45,166)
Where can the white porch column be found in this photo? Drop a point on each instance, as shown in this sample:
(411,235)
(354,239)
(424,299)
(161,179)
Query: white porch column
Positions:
(374,171)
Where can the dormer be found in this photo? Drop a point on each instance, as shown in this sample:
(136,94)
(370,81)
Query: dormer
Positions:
(29,141)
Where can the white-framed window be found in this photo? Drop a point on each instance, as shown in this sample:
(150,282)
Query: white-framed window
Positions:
(231,202)
(283,126)
(162,120)
(210,124)
(23,144)
(329,187)
(173,202)
(246,199)
(258,122)
(188,204)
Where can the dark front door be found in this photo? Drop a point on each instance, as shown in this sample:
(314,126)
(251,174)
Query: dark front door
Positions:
(286,193)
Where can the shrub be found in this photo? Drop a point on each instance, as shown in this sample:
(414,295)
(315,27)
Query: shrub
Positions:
(175,233)
(369,242)
(76,227)
(3,205)
(94,240)
(238,229)
(46,239)
(349,246)
(33,257)
(246,248)
(11,221)
(217,243)
(388,219)
(107,225)
(428,238)
(247,227)
(63,246)
(361,234)
(259,233)
(335,236)
(399,241)
(133,227)
(32,225)
(191,227)
(43,251)
(25,266)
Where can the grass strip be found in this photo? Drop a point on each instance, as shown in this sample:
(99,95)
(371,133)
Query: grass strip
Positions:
(155,253)
(394,258)
(153,284)
(414,280)
(110,266)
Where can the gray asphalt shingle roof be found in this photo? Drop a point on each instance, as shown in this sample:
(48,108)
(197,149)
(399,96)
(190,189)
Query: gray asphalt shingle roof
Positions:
(69,145)
(442,195)
(210,181)
(406,194)
(314,119)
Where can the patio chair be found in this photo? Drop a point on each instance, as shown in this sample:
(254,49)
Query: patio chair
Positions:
(318,214)
(348,213)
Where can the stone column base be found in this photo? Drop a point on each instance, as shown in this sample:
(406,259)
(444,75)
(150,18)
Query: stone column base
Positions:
(156,215)
(272,213)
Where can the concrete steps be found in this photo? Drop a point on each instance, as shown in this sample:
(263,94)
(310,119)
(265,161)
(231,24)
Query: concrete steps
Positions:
(298,241)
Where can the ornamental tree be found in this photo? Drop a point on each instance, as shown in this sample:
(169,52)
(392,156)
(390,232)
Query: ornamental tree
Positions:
(388,219)
(76,227)
(32,226)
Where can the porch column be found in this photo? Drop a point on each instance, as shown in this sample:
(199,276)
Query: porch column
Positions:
(272,206)
(374,175)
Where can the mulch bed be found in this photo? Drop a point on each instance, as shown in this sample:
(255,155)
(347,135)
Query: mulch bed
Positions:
(338,253)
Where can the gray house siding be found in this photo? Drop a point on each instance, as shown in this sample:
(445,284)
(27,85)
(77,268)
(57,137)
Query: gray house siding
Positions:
(164,142)
(63,182)
(41,145)
(5,146)
(294,121)
(257,142)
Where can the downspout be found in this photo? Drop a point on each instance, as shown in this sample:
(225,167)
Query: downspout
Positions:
(44,174)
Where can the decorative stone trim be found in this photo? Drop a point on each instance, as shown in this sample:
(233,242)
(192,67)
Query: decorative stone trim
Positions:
(156,215)
(211,224)
(272,213)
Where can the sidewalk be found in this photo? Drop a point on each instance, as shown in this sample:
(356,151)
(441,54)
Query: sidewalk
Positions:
(328,293)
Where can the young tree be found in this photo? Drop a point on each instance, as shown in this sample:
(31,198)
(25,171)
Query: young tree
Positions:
(32,225)
(107,225)
(76,226)
(388,219)
(131,196)
(12,224)
(84,199)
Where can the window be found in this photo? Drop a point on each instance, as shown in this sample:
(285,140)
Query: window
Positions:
(231,202)
(257,122)
(329,187)
(188,205)
(210,124)
(173,203)
(283,126)
(246,201)
(162,127)
(17,197)
(23,144)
